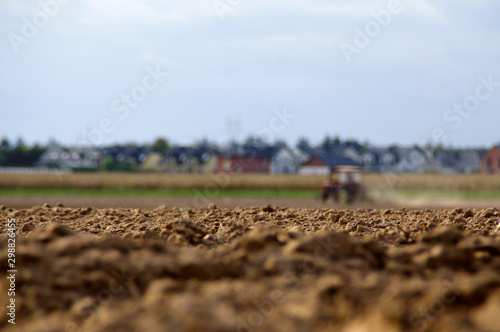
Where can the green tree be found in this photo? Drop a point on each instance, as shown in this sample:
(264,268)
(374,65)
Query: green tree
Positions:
(280,143)
(125,166)
(20,154)
(327,144)
(107,164)
(161,145)
(34,153)
(20,143)
(303,144)
(254,141)
(5,144)
(205,143)
(337,141)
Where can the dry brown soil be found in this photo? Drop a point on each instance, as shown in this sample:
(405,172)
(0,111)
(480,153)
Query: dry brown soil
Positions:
(252,269)
(21,202)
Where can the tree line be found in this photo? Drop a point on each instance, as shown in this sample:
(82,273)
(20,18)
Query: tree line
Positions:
(19,154)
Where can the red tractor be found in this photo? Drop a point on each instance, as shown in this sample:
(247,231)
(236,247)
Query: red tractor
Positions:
(344,185)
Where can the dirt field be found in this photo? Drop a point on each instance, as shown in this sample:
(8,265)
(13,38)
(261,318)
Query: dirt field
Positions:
(253,269)
(22,202)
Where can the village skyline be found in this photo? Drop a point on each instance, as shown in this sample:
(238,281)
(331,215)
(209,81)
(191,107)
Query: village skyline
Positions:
(254,155)
(204,140)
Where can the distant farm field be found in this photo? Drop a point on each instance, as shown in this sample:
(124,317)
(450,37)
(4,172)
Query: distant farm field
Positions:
(250,185)
(155,181)
(161,193)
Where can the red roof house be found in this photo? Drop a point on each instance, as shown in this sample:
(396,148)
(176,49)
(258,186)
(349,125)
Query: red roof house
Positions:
(490,163)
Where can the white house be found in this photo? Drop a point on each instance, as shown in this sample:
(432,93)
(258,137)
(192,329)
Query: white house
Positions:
(412,160)
(71,157)
(314,165)
(287,161)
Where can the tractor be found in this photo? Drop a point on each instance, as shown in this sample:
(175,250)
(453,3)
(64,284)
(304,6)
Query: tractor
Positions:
(344,185)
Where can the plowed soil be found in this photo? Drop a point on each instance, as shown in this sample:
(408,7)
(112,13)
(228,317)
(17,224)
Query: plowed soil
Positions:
(252,269)
(21,202)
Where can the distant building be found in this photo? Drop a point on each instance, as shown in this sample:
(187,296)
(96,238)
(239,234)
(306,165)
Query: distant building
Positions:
(397,159)
(154,162)
(191,160)
(135,155)
(458,161)
(412,160)
(378,160)
(70,157)
(314,165)
(469,161)
(259,157)
(490,163)
(245,159)
(287,161)
(322,163)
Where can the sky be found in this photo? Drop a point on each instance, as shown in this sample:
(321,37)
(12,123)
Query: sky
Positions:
(97,72)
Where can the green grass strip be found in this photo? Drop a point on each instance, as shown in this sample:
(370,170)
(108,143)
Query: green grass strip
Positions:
(486,194)
(161,193)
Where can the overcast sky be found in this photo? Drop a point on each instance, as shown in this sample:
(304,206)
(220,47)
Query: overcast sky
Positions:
(105,71)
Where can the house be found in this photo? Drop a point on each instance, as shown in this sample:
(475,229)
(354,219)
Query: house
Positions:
(191,160)
(379,159)
(376,159)
(412,160)
(154,161)
(70,157)
(246,159)
(352,153)
(490,162)
(135,155)
(204,159)
(314,165)
(287,160)
(387,159)
(176,160)
(444,162)
(369,161)
(322,163)
(469,161)
(458,161)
